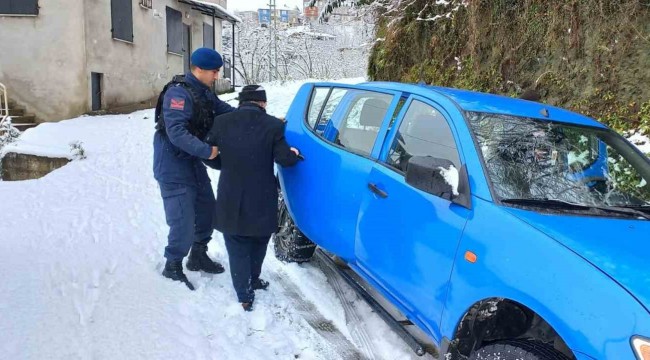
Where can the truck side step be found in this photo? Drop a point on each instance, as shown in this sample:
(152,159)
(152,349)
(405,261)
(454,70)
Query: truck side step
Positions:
(405,322)
(397,326)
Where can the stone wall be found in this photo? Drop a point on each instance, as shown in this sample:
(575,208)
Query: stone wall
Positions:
(15,166)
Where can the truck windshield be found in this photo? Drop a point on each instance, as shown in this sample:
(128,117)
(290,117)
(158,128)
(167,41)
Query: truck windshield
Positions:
(535,159)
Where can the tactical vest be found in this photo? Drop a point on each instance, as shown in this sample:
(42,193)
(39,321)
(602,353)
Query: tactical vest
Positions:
(202,109)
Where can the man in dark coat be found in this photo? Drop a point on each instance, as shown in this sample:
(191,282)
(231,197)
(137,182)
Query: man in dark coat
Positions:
(249,141)
(185,112)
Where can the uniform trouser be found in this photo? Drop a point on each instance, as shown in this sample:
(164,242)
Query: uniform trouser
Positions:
(246,255)
(189,211)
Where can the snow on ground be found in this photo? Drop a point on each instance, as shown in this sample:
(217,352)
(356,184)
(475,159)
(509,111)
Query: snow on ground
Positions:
(641,141)
(82,249)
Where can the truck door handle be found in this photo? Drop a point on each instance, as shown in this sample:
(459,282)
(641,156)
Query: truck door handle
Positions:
(382,194)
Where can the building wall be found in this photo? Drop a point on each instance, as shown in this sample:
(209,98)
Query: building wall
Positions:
(42,60)
(137,71)
(46,61)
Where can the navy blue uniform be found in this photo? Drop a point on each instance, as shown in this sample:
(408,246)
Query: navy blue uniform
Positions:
(249,142)
(184,183)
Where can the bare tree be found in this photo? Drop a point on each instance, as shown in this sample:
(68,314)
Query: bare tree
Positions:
(320,51)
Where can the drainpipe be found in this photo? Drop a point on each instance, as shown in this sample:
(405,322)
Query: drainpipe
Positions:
(234,74)
(214,86)
(214,29)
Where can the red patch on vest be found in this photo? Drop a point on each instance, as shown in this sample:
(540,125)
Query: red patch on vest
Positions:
(177,104)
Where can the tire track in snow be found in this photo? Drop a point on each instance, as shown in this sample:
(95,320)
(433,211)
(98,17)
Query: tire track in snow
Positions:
(318,322)
(357,328)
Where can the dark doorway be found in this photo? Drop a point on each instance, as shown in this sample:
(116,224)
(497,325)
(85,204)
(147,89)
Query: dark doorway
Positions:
(96,89)
(187,46)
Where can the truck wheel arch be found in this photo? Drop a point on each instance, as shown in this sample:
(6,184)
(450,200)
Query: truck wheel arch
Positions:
(494,319)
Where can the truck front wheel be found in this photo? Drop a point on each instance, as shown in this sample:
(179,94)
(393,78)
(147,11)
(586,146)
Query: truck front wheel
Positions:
(517,350)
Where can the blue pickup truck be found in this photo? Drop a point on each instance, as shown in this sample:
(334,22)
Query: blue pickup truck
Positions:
(502,228)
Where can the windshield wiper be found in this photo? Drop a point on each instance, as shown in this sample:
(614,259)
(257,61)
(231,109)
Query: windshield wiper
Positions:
(545,201)
(623,210)
(567,205)
(642,208)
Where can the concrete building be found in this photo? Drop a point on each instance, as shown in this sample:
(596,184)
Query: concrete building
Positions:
(311,13)
(63,58)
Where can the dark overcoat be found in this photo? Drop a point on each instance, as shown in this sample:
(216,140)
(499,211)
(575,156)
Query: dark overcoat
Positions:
(249,142)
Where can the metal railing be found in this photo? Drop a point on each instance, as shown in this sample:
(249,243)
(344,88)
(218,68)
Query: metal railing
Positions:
(4,104)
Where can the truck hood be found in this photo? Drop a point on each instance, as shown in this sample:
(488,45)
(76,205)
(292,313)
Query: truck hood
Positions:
(618,247)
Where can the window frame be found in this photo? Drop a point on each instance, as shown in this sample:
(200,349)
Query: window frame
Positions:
(17,13)
(383,130)
(344,115)
(115,21)
(388,141)
(312,95)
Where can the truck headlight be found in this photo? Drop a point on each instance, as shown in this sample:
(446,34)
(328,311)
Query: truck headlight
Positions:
(641,347)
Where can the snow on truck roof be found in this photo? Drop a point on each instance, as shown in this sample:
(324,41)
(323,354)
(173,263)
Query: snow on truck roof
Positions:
(490,103)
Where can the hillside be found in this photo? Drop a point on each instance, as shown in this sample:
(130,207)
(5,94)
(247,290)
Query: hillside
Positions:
(592,56)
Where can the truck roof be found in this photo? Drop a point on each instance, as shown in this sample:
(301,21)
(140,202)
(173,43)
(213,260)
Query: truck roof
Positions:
(490,103)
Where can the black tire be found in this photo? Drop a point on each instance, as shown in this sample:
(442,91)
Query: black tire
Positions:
(518,350)
(289,243)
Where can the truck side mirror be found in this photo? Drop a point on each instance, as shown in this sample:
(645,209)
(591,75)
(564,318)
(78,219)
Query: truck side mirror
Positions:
(438,177)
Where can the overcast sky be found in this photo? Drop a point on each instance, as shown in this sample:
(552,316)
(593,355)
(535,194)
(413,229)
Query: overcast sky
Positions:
(257,4)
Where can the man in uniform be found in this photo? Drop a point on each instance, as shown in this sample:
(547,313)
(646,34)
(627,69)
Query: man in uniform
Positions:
(249,141)
(184,114)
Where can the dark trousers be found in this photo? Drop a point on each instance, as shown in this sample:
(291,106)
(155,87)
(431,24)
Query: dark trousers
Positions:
(246,255)
(189,211)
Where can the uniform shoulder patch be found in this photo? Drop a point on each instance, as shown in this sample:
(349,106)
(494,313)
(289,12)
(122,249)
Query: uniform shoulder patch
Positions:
(177,104)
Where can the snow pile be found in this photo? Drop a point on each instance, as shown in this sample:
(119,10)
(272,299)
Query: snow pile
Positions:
(82,250)
(55,139)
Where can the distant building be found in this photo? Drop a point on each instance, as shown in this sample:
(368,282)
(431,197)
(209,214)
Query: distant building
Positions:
(282,15)
(339,14)
(312,13)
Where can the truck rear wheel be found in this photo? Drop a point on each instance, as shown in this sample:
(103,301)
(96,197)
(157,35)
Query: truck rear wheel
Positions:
(289,243)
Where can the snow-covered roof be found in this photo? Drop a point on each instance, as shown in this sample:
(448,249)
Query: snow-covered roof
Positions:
(304,30)
(219,10)
(296,29)
(318,35)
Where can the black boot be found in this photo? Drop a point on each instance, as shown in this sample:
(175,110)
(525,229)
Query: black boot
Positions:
(259,284)
(174,270)
(247,306)
(199,260)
